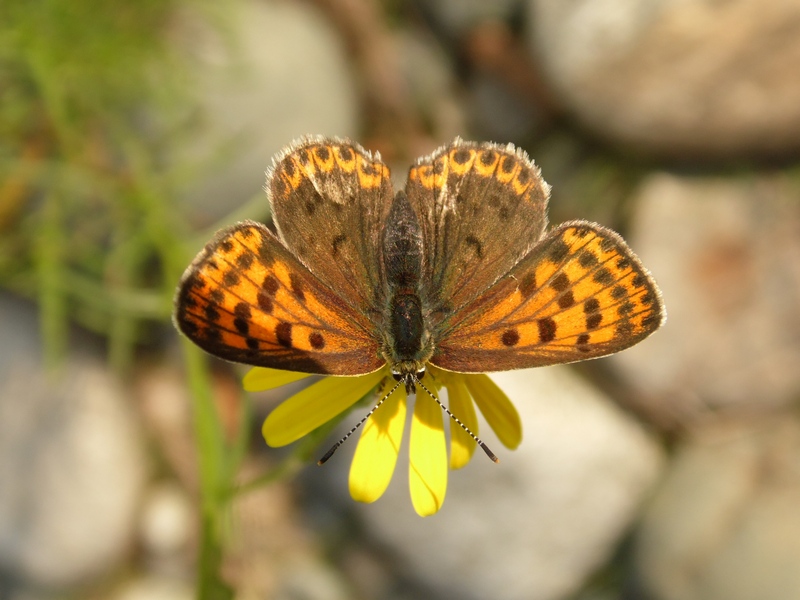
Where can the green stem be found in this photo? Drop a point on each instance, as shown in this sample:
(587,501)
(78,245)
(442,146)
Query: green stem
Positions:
(50,268)
(211,449)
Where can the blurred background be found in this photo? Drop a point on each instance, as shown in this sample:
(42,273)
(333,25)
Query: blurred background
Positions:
(131,466)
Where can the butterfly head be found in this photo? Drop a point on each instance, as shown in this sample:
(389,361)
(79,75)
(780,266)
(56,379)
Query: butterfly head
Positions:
(409,372)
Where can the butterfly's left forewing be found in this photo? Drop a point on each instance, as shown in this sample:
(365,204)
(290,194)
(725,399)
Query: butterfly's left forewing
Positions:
(580,293)
(247,299)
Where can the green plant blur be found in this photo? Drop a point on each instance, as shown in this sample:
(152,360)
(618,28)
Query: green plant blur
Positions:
(93,98)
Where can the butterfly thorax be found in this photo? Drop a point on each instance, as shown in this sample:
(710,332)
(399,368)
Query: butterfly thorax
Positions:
(407,346)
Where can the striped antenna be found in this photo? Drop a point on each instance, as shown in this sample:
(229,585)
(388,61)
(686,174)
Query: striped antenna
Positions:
(478,440)
(333,449)
(410,381)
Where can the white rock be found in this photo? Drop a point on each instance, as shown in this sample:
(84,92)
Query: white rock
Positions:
(280,73)
(726,254)
(167,521)
(72,467)
(676,78)
(724,524)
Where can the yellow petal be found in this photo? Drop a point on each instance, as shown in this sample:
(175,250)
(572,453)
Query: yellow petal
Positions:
(427,471)
(316,405)
(495,406)
(259,379)
(460,403)
(376,453)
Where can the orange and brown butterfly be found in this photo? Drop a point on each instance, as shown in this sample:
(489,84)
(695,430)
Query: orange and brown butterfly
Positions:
(455,273)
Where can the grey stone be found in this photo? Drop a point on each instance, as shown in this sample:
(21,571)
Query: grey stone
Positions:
(311,580)
(434,89)
(724,524)
(72,464)
(498,113)
(726,254)
(457,17)
(285,75)
(676,78)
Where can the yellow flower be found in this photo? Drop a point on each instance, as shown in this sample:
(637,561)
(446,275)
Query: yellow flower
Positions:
(376,454)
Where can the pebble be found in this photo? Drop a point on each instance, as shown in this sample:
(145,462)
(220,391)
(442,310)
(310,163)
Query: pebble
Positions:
(726,253)
(690,79)
(280,72)
(723,524)
(72,459)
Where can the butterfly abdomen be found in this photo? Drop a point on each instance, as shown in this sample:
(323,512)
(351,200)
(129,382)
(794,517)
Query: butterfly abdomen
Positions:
(407,326)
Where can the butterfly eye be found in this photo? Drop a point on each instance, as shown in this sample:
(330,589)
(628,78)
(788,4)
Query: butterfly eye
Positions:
(420,374)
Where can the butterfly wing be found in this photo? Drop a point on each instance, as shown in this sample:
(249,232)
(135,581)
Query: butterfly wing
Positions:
(481,208)
(329,200)
(247,299)
(580,293)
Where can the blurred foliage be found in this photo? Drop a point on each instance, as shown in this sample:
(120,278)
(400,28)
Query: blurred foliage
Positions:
(91,92)
(94,97)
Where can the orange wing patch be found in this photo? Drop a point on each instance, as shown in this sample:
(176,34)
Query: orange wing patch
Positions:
(245,298)
(484,161)
(581,293)
(323,158)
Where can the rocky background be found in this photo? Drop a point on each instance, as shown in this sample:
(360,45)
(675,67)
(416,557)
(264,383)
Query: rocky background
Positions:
(668,472)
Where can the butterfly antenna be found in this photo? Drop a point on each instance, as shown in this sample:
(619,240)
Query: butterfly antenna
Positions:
(478,440)
(333,449)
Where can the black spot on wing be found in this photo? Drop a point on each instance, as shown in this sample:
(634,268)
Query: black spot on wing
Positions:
(547,329)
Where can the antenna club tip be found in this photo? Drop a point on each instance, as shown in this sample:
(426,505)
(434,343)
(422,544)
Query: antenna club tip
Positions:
(328,454)
(489,453)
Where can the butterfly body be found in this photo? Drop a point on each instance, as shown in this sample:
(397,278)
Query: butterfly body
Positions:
(408,344)
(455,270)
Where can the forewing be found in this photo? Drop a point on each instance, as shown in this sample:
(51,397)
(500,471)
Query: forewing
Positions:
(329,202)
(481,208)
(245,298)
(581,293)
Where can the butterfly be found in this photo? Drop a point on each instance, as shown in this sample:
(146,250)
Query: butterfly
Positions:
(456,270)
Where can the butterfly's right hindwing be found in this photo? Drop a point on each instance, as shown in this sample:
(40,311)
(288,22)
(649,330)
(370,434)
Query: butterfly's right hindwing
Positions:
(581,293)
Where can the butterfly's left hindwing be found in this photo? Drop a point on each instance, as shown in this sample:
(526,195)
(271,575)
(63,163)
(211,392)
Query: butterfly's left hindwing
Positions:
(247,299)
(580,293)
